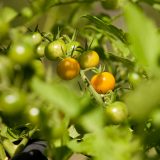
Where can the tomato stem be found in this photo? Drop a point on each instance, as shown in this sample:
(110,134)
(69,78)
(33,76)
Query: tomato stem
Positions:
(24,141)
(90,88)
(2,152)
(9,146)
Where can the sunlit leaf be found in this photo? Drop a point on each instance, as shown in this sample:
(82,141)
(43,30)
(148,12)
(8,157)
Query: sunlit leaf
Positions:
(143,100)
(7,14)
(111,143)
(63,98)
(108,28)
(143,36)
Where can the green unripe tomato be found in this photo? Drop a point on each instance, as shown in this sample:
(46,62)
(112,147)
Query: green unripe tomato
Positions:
(55,49)
(109,4)
(21,53)
(116,112)
(134,78)
(26,12)
(89,59)
(72,48)
(33,115)
(40,50)
(36,38)
(12,102)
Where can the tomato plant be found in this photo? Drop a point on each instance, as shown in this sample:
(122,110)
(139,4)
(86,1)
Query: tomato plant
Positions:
(79,77)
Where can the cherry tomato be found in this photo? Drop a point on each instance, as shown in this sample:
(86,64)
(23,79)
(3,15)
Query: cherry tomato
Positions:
(40,50)
(110,4)
(72,48)
(89,59)
(33,115)
(134,78)
(116,112)
(27,12)
(21,53)
(103,82)
(36,38)
(68,68)
(12,102)
(55,49)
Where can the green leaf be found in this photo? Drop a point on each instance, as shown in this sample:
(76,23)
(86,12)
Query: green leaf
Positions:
(112,142)
(93,120)
(143,100)
(61,96)
(125,61)
(143,36)
(8,14)
(108,28)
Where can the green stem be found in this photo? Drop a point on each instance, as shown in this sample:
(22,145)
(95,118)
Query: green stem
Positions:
(97,97)
(24,141)
(9,146)
(2,152)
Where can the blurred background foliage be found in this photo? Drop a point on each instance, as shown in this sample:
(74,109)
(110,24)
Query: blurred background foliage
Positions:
(127,38)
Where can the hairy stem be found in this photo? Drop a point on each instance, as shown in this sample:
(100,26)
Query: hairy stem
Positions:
(96,96)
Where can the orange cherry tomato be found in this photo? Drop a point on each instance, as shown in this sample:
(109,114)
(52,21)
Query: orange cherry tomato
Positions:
(103,82)
(68,68)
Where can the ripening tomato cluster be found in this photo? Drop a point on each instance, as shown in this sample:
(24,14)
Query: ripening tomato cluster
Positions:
(28,57)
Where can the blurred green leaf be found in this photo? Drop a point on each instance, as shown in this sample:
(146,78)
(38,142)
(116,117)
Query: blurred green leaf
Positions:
(112,142)
(7,14)
(108,28)
(143,36)
(61,96)
(125,61)
(93,120)
(143,100)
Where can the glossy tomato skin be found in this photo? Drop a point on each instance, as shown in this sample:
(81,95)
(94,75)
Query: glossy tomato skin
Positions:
(116,112)
(55,49)
(73,48)
(21,53)
(40,50)
(103,82)
(134,78)
(12,102)
(68,68)
(89,59)
(36,38)
(33,115)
